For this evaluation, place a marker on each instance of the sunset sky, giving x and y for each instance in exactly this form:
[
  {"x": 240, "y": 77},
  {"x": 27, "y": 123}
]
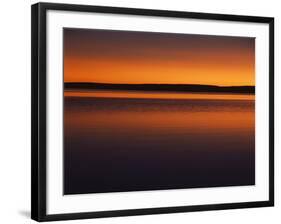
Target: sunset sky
[{"x": 107, "y": 56}]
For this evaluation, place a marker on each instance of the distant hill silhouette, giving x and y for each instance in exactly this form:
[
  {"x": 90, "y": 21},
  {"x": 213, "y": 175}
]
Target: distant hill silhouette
[{"x": 161, "y": 87}]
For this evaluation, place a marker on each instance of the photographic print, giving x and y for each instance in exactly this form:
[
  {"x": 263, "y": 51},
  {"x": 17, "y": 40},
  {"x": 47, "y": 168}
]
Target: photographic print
[
  {"x": 157, "y": 111},
  {"x": 140, "y": 111}
]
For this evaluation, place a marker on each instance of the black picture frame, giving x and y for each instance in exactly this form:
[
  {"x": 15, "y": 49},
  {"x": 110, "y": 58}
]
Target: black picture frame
[{"x": 39, "y": 122}]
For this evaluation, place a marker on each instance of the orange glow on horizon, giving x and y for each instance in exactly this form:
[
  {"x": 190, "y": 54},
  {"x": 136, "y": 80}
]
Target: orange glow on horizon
[
  {"x": 111, "y": 71},
  {"x": 226, "y": 64}
]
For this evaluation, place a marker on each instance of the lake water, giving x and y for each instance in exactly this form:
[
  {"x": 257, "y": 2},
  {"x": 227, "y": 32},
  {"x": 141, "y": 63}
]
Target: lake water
[{"x": 131, "y": 141}]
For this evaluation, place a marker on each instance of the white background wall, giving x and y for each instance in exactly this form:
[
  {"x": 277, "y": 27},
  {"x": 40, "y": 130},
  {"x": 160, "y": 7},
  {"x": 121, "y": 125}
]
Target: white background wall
[{"x": 15, "y": 110}]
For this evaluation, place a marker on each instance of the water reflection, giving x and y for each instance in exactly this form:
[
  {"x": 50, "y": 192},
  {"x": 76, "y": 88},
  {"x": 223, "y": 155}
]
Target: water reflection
[{"x": 164, "y": 142}]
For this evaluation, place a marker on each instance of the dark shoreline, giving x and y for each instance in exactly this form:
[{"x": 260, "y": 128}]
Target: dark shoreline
[{"x": 161, "y": 87}]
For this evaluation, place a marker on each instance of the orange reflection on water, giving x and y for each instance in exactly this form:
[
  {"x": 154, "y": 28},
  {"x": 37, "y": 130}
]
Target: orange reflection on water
[
  {"x": 159, "y": 114},
  {"x": 158, "y": 95},
  {"x": 147, "y": 142},
  {"x": 219, "y": 122}
]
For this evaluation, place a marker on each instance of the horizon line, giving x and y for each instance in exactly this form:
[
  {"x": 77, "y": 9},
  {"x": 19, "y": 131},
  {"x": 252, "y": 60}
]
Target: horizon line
[{"x": 106, "y": 83}]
